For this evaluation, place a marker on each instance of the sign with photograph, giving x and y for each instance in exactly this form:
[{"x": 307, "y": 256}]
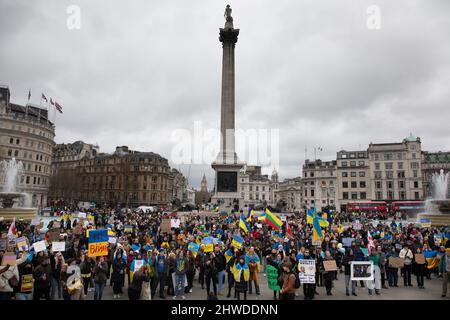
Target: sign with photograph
[
  {"x": 357, "y": 225},
  {"x": 361, "y": 270},
  {"x": 307, "y": 271}
]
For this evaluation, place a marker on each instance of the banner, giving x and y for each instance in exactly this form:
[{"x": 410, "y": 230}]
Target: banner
[
  {"x": 175, "y": 223},
  {"x": 98, "y": 243},
  {"x": 21, "y": 243},
  {"x": 347, "y": 242},
  {"x": 128, "y": 229},
  {"x": 138, "y": 264},
  {"x": 272, "y": 278},
  {"x": 307, "y": 271},
  {"x": 58, "y": 246}
]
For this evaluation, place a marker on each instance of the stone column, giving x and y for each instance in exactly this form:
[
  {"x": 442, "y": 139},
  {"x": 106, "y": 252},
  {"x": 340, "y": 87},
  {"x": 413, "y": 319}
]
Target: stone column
[{"x": 228, "y": 37}]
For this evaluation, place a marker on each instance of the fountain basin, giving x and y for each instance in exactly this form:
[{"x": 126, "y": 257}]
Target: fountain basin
[{"x": 19, "y": 213}]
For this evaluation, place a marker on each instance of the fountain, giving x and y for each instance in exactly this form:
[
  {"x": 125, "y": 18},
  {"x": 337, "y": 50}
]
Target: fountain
[
  {"x": 438, "y": 207},
  {"x": 14, "y": 203}
]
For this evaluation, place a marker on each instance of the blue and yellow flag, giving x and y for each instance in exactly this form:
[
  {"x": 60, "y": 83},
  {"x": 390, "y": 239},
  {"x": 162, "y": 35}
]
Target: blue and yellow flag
[
  {"x": 262, "y": 216},
  {"x": 243, "y": 224},
  {"x": 237, "y": 241},
  {"x": 250, "y": 214},
  {"x": 228, "y": 255},
  {"x": 309, "y": 216},
  {"x": 317, "y": 230},
  {"x": 431, "y": 258},
  {"x": 238, "y": 269}
]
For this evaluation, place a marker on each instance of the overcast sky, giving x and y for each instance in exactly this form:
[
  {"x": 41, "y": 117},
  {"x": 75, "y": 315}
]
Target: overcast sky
[{"x": 138, "y": 70}]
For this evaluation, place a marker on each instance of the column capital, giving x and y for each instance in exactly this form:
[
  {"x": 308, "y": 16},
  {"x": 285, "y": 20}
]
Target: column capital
[{"x": 228, "y": 36}]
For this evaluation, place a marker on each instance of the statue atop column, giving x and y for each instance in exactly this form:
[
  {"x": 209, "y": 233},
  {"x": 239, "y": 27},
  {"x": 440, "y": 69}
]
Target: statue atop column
[{"x": 228, "y": 17}]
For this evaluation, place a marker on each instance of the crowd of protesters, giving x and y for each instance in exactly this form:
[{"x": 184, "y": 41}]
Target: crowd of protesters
[{"x": 170, "y": 266}]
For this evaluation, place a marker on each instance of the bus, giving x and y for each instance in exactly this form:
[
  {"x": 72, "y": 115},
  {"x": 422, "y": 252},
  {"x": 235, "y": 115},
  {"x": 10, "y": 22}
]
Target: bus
[
  {"x": 408, "y": 208},
  {"x": 370, "y": 208}
]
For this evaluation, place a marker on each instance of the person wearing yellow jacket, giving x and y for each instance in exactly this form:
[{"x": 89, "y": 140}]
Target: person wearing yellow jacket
[{"x": 241, "y": 274}]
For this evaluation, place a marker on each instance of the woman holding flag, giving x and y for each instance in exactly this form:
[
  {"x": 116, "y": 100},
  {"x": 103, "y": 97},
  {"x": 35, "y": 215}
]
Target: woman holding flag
[{"x": 241, "y": 275}]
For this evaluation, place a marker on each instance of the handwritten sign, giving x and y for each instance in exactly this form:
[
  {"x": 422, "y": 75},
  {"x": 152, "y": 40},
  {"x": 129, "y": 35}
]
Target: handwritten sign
[
  {"x": 330, "y": 265},
  {"x": 420, "y": 258},
  {"x": 58, "y": 246},
  {"x": 138, "y": 264},
  {"x": 395, "y": 262},
  {"x": 98, "y": 243},
  {"x": 39, "y": 246},
  {"x": 165, "y": 225},
  {"x": 3, "y": 243},
  {"x": 175, "y": 223},
  {"x": 347, "y": 242},
  {"x": 35, "y": 221},
  {"x": 21, "y": 242},
  {"x": 112, "y": 240},
  {"x": 9, "y": 259}
]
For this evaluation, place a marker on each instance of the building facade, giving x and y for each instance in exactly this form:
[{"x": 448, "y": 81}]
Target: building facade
[
  {"x": 177, "y": 187},
  {"x": 203, "y": 196},
  {"x": 27, "y": 135},
  {"x": 126, "y": 177},
  {"x": 434, "y": 162},
  {"x": 396, "y": 170},
  {"x": 353, "y": 177},
  {"x": 64, "y": 184},
  {"x": 288, "y": 194},
  {"x": 256, "y": 189},
  {"x": 320, "y": 187}
]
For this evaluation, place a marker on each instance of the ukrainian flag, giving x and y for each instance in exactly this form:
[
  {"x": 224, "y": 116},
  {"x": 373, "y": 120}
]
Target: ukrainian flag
[
  {"x": 317, "y": 230},
  {"x": 237, "y": 241},
  {"x": 262, "y": 216},
  {"x": 237, "y": 269},
  {"x": 228, "y": 255},
  {"x": 309, "y": 216},
  {"x": 431, "y": 258},
  {"x": 243, "y": 224},
  {"x": 250, "y": 214}
]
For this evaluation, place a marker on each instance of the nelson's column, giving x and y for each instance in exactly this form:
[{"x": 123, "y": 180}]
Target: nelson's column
[{"x": 227, "y": 164}]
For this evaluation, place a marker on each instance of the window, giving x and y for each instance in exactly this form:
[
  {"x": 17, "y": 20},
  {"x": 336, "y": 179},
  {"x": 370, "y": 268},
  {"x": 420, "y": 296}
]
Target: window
[
  {"x": 344, "y": 156},
  {"x": 416, "y": 195},
  {"x": 401, "y": 184},
  {"x": 377, "y": 174},
  {"x": 354, "y": 196},
  {"x": 388, "y": 156},
  {"x": 361, "y": 163},
  {"x": 377, "y": 184},
  {"x": 414, "y": 165},
  {"x": 352, "y": 155},
  {"x": 344, "y": 174},
  {"x": 353, "y": 184},
  {"x": 416, "y": 184},
  {"x": 344, "y": 163},
  {"x": 352, "y": 163},
  {"x": 257, "y": 189},
  {"x": 9, "y": 153},
  {"x": 389, "y": 174},
  {"x": 399, "y": 156},
  {"x": 312, "y": 193},
  {"x": 11, "y": 140},
  {"x": 402, "y": 195},
  {"x": 362, "y": 184},
  {"x": 377, "y": 166},
  {"x": 388, "y": 165},
  {"x": 378, "y": 195},
  {"x": 390, "y": 184},
  {"x": 414, "y": 155},
  {"x": 390, "y": 195},
  {"x": 306, "y": 192},
  {"x": 263, "y": 189},
  {"x": 28, "y": 180},
  {"x": 360, "y": 155},
  {"x": 16, "y": 153},
  {"x": 34, "y": 180},
  {"x": 362, "y": 195},
  {"x": 362, "y": 174},
  {"x": 345, "y": 195},
  {"x": 344, "y": 184},
  {"x": 353, "y": 174},
  {"x": 401, "y": 174},
  {"x": 415, "y": 173},
  {"x": 311, "y": 174},
  {"x": 376, "y": 156},
  {"x": 400, "y": 165}
]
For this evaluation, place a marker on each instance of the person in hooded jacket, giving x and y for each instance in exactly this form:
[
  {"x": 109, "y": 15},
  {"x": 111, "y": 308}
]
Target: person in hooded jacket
[{"x": 118, "y": 274}]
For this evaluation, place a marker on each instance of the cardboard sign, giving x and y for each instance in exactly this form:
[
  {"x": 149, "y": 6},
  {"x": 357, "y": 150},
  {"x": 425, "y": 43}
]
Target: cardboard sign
[
  {"x": 54, "y": 234},
  {"x": 58, "y": 246},
  {"x": 9, "y": 258},
  {"x": 272, "y": 278},
  {"x": 27, "y": 283},
  {"x": 209, "y": 247},
  {"x": 35, "y": 221},
  {"x": 307, "y": 271},
  {"x": 165, "y": 225},
  {"x": 112, "y": 240},
  {"x": 395, "y": 262},
  {"x": 330, "y": 265},
  {"x": 39, "y": 246},
  {"x": 420, "y": 258},
  {"x": 317, "y": 243}
]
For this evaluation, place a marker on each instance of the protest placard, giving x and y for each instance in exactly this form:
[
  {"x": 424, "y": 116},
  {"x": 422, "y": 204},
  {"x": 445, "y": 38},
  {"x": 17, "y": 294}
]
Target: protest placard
[
  {"x": 21, "y": 242},
  {"x": 347, "y": 242},
  {"x": 82, "y": 215},
  {"x": 175, "y": 223},
  {"x": 165, "y": 225},
  {"x": 272, "y": 278},
  {"x": 307, "y": 271},
  {"x": 128, "y": 229},
  {"x": 361, "y": 270},
  {"x": 357, "y": 225},
  {"x": 39, "y": 246},
  {"x": 9, "y": 258},
  {"x": 36, "y": 221},
  {"x": 27, "y": 283},
  {"x": 58, "y": 246},
  {"x": 395, "y": 262},
  {"x": 98, "y": 243},
  {"x": 138, "y": 264},
  {"x": 425, "y": 222},
  {"x": 112, "y": 240},
  {"x": 3, "y": 244},
  {"x": 420, "y": 258},
  {"x": 330, "y": 265}
]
